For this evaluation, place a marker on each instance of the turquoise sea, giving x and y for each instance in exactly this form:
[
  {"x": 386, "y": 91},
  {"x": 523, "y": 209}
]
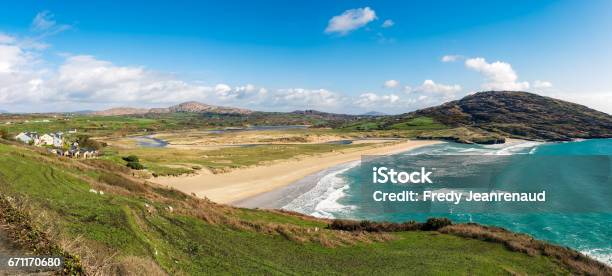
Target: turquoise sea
[{"x": 576, "y": 175}]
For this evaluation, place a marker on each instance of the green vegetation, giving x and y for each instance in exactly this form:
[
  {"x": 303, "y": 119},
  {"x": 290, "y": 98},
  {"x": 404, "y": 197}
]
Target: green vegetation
[
  {"x": 4, "y": 134},
  {"x": 423, "y": 127},
  {"x": 97, "y": 126},
  {"x": 432, "y": 224},
  {"x": 137, "y": 227},
  {"x": 135, "y": 166},
  {"x": 131, "y": 158},
  {"x": 419, "y": 123},
  {"x": 133, "y": 162},
  {"x": 414, "y": 124},
  {"x": 93, "y": 126},
  {"x": 86, "y": 142},
  {"x": 167, "y": 161}
]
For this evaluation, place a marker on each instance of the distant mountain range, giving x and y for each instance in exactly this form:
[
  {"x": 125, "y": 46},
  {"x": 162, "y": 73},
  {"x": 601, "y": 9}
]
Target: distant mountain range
[
  {"x": 373, "y": 113},
  {"x": 194, "y": 107},
  {"x": 483, "y": 117}
]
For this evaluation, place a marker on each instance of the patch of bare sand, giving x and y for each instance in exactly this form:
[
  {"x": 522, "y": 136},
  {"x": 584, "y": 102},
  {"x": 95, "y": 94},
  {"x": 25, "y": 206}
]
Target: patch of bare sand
[{"x": 244, "y": 183}]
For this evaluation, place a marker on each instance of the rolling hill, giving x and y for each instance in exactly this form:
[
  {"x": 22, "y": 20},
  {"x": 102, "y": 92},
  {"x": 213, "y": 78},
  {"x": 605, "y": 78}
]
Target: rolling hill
[
  {"x": 374, "y": 113},
  {"x": 186, "y": 107},
  {"x": 524, "y": 115},
  {"x": 492, "y": 116},
  {"x": 116, "y": 111}
]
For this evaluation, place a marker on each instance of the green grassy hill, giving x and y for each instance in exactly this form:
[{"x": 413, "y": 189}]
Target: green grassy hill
[
  {"x": 488, "y": 117},
  {"x": 105, "y": 222}
]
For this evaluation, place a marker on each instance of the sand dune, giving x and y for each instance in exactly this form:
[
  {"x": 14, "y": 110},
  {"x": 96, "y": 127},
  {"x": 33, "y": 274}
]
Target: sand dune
[{"x": 244, "y": 183}]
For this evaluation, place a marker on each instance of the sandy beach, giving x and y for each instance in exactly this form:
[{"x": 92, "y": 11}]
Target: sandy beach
[{"x": 244, "y": 183}]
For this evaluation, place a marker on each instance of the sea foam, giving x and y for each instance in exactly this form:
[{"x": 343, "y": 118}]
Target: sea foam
[{"x": 322, "y": 199}]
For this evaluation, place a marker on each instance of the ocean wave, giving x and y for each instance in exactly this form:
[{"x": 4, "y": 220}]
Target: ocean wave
[
  {"x": 322, "y": 199},
  {"x": 519, "y": 147},
  {"x": 603, "y": 255},
  {"x": 527, "y": 147}
]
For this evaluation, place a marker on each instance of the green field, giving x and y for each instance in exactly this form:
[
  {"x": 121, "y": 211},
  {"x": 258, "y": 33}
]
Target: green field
[
  {"x": 413, "y": 126},
  {"x": 167, "y": 161},
  {"x": 89, "y": 125},
  {"x": 96, "y": 126},
  {"x": 132, "y": 225}
]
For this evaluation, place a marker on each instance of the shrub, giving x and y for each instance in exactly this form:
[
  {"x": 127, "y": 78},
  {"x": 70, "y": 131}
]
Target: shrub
[
  {"x": 135, "y": 165},
  {"x": 86, "y": 142},
  {"x": 131, "y": 158},
  {"x": 371, "y": 226},
  {"x": 5, "y": 135},
  {"x": 433, "y": 224}
]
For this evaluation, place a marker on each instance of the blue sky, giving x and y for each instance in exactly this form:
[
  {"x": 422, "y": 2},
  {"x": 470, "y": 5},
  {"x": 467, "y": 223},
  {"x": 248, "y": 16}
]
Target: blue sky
[{"x": 338, "y": 56}]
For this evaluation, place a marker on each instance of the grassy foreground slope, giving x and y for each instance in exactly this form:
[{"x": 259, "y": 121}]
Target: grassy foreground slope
[{"x": 137, "y": 228}]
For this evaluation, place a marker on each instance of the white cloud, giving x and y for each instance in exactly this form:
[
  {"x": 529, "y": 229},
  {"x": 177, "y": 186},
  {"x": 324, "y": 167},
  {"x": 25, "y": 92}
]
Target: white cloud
[
  {"x": 223, "y": 90},
  {"x": 11, "y": 57},
  {"x": 599, "y": 100},
  {"x": 6, "y": 39},
  {"x": 451, "y": 58},
  {"x": 391, "y": 84},
  {"x": 19, "y": 80},
  {"x": 388, "y": 23},
  {"x": 245, "y": 92},
  {"x": 542, "y": 84},
  {"x": 43, "y": 21},
  {"x": 305, "y": 98},
  {"x": 499, "y": 75},
  {"x": 371, "y": 100},
  {"x": 429, "y": 86},
  {"x": 45, "y": 24},
  {"x": 350, "y": 20},
  {"x": 428, "y": 94},
  {"x": 87, "y": 79}
]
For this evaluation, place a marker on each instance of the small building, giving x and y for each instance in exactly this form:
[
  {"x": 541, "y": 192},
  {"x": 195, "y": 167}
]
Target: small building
[
  {"x": 58, "y": 139},
  {"x": 28, "y": 138},
  {"x": 46, "y": 140},
  {"x": 88, "y": 153}
]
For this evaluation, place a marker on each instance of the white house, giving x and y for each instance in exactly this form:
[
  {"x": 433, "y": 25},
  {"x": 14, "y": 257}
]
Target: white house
[
  {"x": 46, "y": 140},
  {"x": 58, "y": 139},
  {"x": 28, "y": 137}
]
